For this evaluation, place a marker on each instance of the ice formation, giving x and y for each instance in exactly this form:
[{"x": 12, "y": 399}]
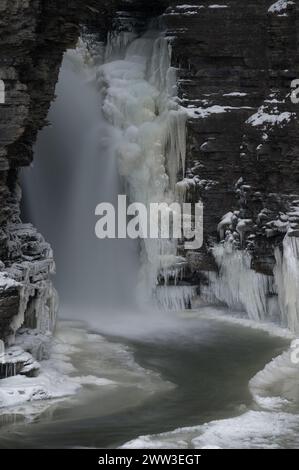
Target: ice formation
[
  {"x": 39, "y": 300},
  {"x": 237, "y": 285},
  {"x": 78, "y": 360},
  {"x": 175, "y": 297},
  {"x": 140, "y": 101},
  {"x": 276, "y": 386},
  {"x": 263, "y": 298},
  {"x": 251, "y": 430},
  {"x": 286, "y": 275},
  {"x": 58, "y": 377}
]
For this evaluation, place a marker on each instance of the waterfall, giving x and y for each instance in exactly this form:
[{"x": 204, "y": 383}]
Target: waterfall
[
  {"x": 74, "y": 169},
  {"x": 116, "y": 127},
  {"x": 140, "y": 102}
]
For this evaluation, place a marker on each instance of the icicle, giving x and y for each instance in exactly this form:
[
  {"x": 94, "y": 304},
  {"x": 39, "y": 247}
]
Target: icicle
[
  {"x": 117, "y": 44},
  {"x": 175, "y": 298},
  {"x": 286, "y": 275},
  {"x": 238, "y": 286},
  {"x": 46, "y": 304},
  {"x": 139, "y": 92},
  {"x": 175, "y": 144}
]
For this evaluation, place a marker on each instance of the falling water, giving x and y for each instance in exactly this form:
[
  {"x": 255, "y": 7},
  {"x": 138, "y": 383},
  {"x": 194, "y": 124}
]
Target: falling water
[
  {"x": 74, "y": 169},
  {"x": 115, "y": 126}
]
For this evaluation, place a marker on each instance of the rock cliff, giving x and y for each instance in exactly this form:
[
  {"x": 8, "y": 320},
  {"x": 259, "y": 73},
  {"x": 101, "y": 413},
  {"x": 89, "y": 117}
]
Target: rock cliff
[{"x": 33, "y": 37}]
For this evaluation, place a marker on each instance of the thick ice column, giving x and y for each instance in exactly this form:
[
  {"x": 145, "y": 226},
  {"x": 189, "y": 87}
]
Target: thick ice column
[
  {"x": 237, "y": 285},
  {"x": 287, "y": 281},
  {"x": 140, "y": 101}
]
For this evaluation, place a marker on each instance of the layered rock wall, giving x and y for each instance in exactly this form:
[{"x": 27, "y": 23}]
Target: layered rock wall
[
  {"x": 33, "y": 37},
  {"x": 236, "y": 61}
]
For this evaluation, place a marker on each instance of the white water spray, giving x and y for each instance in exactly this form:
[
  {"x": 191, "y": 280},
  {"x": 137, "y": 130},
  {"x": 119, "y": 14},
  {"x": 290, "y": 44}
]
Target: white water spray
[{"x": 74, "y": 169}]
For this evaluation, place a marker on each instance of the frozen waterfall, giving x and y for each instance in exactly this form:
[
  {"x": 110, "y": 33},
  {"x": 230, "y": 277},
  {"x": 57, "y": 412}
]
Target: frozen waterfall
[
  {"x": 263, "y": 298},
  {"x": 139, "y": 88},
  {"x": 116, "y": 128}
]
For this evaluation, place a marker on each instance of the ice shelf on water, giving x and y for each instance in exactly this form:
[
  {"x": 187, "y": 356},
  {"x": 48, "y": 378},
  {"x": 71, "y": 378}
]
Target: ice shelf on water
[
  {"x": 251, "y": 430},
  {"x": 276, "y": 386},
  {"x": 78, "y": 360},
  {"x": 271, "y": 422}
]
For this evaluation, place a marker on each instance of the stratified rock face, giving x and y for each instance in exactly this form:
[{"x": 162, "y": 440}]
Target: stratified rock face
[
  {"x": 33, "y": 37},
  {"x": 236, "y": 61}
]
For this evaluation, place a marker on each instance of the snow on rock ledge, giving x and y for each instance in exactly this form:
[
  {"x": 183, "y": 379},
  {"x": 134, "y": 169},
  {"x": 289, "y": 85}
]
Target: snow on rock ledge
[
  {"x": 264, "y": 118},
  {"x": 281, "y": 6},
  {"x": 17, "y": 361}
]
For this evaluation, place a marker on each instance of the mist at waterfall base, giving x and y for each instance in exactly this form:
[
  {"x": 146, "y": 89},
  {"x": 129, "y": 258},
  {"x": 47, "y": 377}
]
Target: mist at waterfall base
[{"x": 74, "y": 169}]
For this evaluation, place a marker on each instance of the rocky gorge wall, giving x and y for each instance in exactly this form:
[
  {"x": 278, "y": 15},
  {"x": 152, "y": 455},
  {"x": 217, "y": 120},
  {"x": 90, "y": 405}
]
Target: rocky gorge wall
[
  {"x": 235, "y": 62},
  {"x": 34, "y": 35}
]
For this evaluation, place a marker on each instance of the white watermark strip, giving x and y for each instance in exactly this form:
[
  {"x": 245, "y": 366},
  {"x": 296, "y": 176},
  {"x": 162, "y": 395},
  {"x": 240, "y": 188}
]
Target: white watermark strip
[
  {"x": 2, "y": 92},
  {"x": 156, "y": 221},
  {"x": 295, "y": 91}
]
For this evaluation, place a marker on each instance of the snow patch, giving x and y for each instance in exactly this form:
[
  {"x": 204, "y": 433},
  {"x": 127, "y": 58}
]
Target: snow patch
[
  {"x": 280, "y": 6},
  {"x": 6, "y": 282},
  {"x": 264, "y": 118},
  {"x": 215, "y": 109}
]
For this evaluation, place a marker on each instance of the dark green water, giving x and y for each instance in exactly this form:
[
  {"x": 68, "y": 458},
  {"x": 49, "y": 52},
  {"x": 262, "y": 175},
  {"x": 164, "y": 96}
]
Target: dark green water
[{"x": 209, "y": 364}]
